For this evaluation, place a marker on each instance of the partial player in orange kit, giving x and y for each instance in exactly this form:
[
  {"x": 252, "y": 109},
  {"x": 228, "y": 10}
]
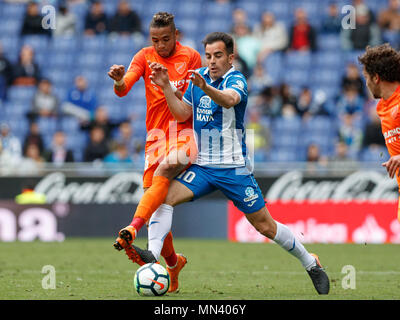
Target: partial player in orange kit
[
  {"x": 382, "y": 74},
  {"x": 170, "y": 145}
]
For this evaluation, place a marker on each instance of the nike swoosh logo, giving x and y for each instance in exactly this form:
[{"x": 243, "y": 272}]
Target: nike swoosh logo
[{"x": 159, "y": 283}]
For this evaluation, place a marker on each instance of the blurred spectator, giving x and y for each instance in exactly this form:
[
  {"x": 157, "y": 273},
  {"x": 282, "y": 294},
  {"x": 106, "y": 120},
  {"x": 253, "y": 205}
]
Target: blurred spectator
[
  {"x": 352, "y": 78},
  {"x": 6, "y": 73},
  {"x": 261, "y": 142},
  {"x": 101, "y": 119},
  {"x": 332, "y": 23},
  {"x": 366, "y": 33},
  {"x": 361, "y": 6},
  {"x": 259, "y": 80},
  {"x": 350, "y": 102},
  {"x": 33, "y": 137},
  {"x": 126, "y": 137},
  {"x": 240, "y": 64},
  {"x": 10, "y": 144},
  {"x": 45, "y": 103},
  {"x": 119, "y": 155},
  {"x": 96, "y": 19},
  {"x": 26, "y": 71},
  {"x": 32, "y": 163},
  {"x": 286, "y": 95},
  {"x": 65, "y": 22},
  {"x": 315, "y": 161},
  {"x": 267, "y": 102},
  {"x": 309, "y": 104},
  {"x": 341, "y": 159},
  {"x": 302, "y": 35},
  {"x": 125, "y": 21},
  {"x": 271, "y": 34},
  {"x": 389, "y": 22},
  {"x": 58, "y": 153},
  {"x": 97, "y": 147},
  {"x": 350, "y": 134},
  {"x": 239, "y": 16},
  {"x": 373, "y": 136},
  {"x": 32, "y": 23},
  {"x": 248, "y": 46},
  {"x": 81, "y": 100}
]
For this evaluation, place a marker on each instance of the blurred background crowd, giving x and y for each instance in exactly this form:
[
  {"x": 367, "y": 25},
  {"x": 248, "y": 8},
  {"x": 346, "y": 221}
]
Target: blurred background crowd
[{"x": 307, "y": 98}]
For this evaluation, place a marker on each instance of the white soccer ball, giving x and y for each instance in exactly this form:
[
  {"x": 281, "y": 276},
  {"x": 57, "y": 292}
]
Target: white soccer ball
[{"x": 151, "y": 279}]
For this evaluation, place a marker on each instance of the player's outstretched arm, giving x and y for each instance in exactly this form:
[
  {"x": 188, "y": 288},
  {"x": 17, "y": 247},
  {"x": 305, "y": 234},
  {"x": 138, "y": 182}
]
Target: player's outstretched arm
[
  {"x": 179, "y": 109},
  {"x": 227, "y": 98}
]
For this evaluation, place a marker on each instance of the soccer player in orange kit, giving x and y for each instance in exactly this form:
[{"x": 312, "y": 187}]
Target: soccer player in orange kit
[
  {"x": 382, "y": 74},
  {"x": 166, "y": 153}
]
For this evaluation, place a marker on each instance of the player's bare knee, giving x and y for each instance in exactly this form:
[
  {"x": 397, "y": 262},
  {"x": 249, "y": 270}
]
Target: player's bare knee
[
  {"x": 168, "y": 170},
  {"x": 265, "y": 228}
]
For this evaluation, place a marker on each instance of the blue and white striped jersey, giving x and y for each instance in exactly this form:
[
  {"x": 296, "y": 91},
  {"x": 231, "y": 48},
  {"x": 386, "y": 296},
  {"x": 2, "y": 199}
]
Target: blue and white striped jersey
[{"x": 220, "y": 131}]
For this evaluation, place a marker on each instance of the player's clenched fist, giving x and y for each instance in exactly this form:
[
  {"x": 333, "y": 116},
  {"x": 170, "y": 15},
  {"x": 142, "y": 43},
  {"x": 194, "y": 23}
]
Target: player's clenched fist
[{"x": 116, "y": 72}]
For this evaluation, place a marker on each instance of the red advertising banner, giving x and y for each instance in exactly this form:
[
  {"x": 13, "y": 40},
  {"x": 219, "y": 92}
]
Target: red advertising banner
[{"x": 325, "y": 222}]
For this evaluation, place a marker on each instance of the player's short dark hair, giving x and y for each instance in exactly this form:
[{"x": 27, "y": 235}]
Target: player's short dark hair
[
  {"x": 163, "y": 19},
  {"x": 220, "y": 36},
  {"x": 382, "y": 60}
]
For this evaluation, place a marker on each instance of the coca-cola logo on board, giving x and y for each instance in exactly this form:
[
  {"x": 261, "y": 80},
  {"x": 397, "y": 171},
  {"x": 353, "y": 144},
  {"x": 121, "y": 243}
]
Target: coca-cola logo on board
[
  {"x": 117, "y": 189},
  {"x": 359, "y": 186}
]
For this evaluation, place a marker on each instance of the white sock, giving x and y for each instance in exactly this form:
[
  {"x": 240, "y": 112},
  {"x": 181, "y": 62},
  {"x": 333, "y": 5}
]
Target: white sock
[
  {"x": 286, "y": 239},
  {"x": 159, "y": 227}
]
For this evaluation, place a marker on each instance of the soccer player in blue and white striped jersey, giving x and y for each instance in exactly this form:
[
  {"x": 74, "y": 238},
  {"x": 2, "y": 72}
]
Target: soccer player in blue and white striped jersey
[{"x": 217, "y": 99}]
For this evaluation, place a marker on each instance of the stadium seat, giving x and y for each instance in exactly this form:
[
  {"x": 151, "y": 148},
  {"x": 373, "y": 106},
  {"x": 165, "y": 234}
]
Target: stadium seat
[
  {"x": 288, "y": 125},
  {"x": 47, "y": 125},
  {"x": 21, "y": 94},
  {"x": 15, "y": 11},
  {"x": 298, "y": 60},
  {"x": 329, "y": 59},
  {"x": 218, "y": 10},
  {"x": 93, "y": 44},
  {"x": 282, "y": 155},
  {"x": 38, "y": 42},
  {"x": 65, "y": 44},
  {"x": 297, "y": 78},
  {"x": 90, "y": 61},
  {"x": 61, "y": 60},
  {"x": 280, "y": 8},
  {"x": 10, "y": 27},
  {"x": 70, "y": 124},
  {"x": 329, "y": 42}
]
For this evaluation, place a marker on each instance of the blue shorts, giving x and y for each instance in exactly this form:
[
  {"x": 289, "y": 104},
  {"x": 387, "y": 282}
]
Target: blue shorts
[{"x": 237, "y": 184}]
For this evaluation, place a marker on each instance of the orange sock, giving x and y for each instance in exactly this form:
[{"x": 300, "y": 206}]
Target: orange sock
[
  {"x": 168, "y": 251},
  {"x": 152, "y": 199}
]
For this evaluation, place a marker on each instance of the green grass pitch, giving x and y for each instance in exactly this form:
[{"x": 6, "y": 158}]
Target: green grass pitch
[{"x": 92, "y": 269}]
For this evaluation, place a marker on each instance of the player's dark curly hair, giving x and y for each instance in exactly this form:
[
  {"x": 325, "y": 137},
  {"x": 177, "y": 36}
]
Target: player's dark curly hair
[
  {"x": 382, "y": 60},
  {"x": 163, "y": 19},
  {"x": 220, "y": 36}
]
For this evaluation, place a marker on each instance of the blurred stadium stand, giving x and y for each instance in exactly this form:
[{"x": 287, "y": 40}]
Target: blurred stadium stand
[{"x": 62, "y": 58}]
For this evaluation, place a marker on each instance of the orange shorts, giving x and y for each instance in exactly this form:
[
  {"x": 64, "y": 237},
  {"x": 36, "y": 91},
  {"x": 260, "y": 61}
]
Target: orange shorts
[{"x": 156, "y": 151}]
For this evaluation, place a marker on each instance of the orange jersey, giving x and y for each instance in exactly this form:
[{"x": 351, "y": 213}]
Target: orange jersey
[
  {"x": 158, "y": 114},
  {"x": 389, "y": 113}
]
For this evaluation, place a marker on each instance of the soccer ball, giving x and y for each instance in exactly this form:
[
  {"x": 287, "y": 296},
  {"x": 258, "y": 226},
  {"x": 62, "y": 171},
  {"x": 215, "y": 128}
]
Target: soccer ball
[{"x": 151, "y": 279}]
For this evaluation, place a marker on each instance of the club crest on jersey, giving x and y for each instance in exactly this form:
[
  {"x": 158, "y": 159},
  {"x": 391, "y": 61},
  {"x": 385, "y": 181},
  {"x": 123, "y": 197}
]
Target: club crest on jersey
[
  {"x": 239, "y": 85},
  {"x": 395, "y": 112},
  {"x": 205, "y": 102},
  {"x": 180, "y": 67},
  {"x": 251, "y": 195}
]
